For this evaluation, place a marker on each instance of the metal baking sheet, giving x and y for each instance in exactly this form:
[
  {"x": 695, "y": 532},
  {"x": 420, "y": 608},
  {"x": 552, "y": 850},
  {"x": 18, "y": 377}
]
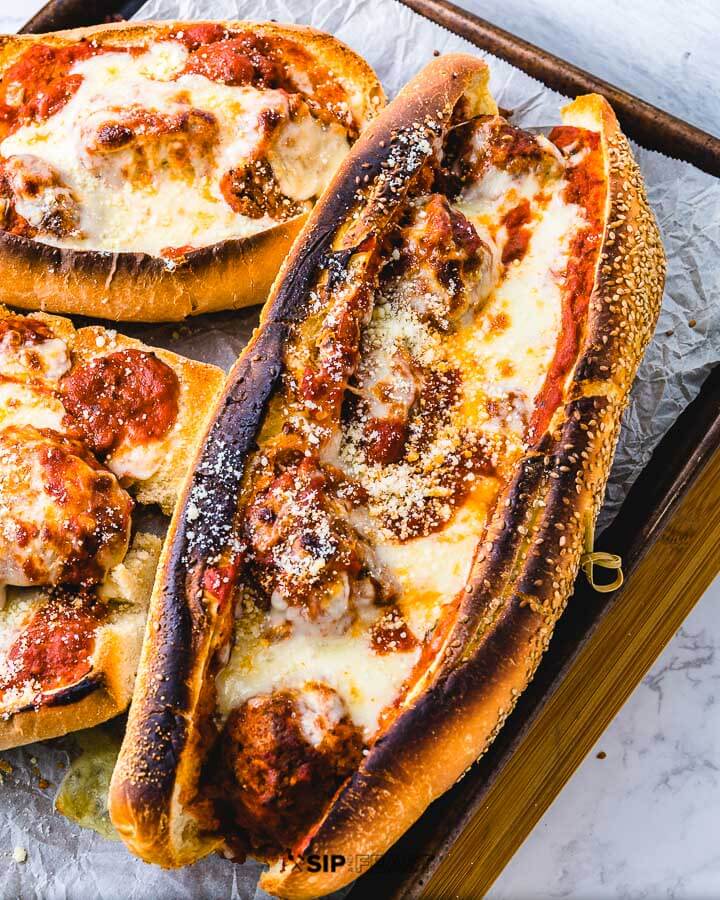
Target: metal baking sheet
[{"x": 677, "y": 461}]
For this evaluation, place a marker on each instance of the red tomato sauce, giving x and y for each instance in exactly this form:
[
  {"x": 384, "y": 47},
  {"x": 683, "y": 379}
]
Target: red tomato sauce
[
  {"x": 323, "y": 383},
  {"x": 41, "y": 81},
  {"x": 25, "y": 330},
  {"x": 587, "y": 188},
  {"x": 194, "y": 36},
  {"x": 177, "y": 252},
  {"x": 241, "y": 58},
  {"x": 516, "y": 221},
  {"x": 220, "y": 580},
  {"x": 126, "y": 397},
  {"x": 386, "y": 440},
  {"x": 390, "y": 634},
  {"x": 55, "y": 647},
  {"x": 235, "y": 60}
]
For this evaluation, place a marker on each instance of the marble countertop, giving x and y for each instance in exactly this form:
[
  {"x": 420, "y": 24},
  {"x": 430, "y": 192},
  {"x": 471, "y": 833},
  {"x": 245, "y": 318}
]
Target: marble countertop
[{"x": 639, "y": 818}]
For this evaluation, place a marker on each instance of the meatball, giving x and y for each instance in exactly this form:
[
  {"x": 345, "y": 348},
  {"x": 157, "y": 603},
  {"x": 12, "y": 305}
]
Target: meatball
[
  {"x": 389, "y": 385},
  {"x": 39, "y": 196},
  {"x": 285, "y": 755},
  {"x": 132, "y": 146},
  {"x": 448, "y": 268},
  {"x": 310, "y": 561},
  {"x": 120, "y": 404},
  {"x": 492, "y": 145},
  {"x": 63, "y": 518}
]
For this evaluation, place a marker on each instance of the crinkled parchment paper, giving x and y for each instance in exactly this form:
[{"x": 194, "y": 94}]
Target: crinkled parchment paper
[{"x": 66, "y": 862}]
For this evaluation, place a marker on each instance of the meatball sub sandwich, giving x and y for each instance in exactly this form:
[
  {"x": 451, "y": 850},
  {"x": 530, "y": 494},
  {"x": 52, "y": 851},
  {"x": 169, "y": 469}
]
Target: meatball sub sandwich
[
  {"x": 93, "y": 427},
  {"x": 158, "y": 170}
]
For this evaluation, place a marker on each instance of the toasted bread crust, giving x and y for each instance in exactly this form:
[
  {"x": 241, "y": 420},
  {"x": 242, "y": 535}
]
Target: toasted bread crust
[
  {"x": 140, "y": 287},
  {"x": 523, "y": 573},
  {"x": 87, "y": 704}
]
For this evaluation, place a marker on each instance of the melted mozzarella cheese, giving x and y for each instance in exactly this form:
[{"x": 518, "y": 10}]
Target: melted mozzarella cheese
[
  {"x": 55, "y": 358},
  {"x": 495, "y": 362},
  {"x": 23, "y": 404},
  {"x": 15, "y": 611},
  {"x": 447, "y": 557},
  {"x": 139, "y": 461},
  {"x": 175, "y": 207},
  {"x": 503, "y": 351},
  {"x": 366, "y": 681},
  {"x": 49, "y": 358},
  {"x": 44, "y": 531},
  {"x": 163, "y": 61},
  {"x": 515, "y": 356},
  {"x": 302, "y": 155},
  {"x": 320, "y": 711}
]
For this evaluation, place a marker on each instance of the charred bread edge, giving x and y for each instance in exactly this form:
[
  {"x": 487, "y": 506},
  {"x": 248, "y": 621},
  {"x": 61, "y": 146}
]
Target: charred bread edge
[
  {"x": 140, "y": 287},
  {"x": 475, "y": 682},
  {"x": 81, "y": 705}
]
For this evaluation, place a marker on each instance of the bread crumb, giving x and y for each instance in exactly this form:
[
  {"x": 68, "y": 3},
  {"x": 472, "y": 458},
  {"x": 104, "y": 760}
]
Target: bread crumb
[{"x": 20, "y": 854}]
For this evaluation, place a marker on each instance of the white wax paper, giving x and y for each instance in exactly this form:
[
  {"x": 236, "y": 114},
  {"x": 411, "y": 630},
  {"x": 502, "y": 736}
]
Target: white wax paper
[{"x": 65, "y": 862}]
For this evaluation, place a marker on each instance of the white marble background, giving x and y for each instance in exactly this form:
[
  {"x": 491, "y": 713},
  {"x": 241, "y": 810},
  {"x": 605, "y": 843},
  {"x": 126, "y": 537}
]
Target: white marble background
[{"x": 644, "y": 821}]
